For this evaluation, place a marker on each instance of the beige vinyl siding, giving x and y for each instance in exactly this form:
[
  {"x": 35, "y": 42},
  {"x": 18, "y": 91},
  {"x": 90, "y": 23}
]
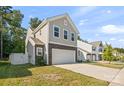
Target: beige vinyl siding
[
  {"x": 42, "y": 35},
  {"x": 60, "y": 39},
  {"x": 31, "y": 53}
]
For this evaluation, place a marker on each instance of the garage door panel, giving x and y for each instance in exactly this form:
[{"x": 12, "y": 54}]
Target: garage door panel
[{"x": 61, "y": 56}]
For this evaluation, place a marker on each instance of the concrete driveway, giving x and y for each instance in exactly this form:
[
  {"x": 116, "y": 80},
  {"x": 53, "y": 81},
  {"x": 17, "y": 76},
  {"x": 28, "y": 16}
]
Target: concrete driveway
[{"x": 98, "y": 72}]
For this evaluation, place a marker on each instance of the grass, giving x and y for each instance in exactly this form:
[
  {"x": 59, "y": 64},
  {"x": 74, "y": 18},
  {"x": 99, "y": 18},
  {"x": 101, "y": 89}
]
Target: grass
[
  {"x": 111, "y": 65},
  {"x": 45, "y": 75}
]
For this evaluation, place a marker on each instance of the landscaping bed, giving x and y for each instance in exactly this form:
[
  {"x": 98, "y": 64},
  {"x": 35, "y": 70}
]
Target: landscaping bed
[{"x": 43, "y": 75}]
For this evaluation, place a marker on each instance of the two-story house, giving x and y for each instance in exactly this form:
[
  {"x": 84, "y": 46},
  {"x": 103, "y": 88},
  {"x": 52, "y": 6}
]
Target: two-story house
[
  {"x": 55, "y": 39},
  {"x": 89, "y": 51},
  {"x": 98, "y": 48}
]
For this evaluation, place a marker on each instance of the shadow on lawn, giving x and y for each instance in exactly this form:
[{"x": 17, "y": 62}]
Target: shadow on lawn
[{"x": 14, "y": 71}]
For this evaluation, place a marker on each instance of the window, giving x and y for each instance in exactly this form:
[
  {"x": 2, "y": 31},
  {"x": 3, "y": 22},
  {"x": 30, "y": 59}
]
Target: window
[
  {"x": 72, "y": 36},
  {"x": 100, "y": 49},
  {"x": 94, "y": 49},
  {"x": 79, "y": 53},
  {"x": 56, "y": 31},
  {"x": 39, "y": 51},
  {"x": 65, "y": 34}
]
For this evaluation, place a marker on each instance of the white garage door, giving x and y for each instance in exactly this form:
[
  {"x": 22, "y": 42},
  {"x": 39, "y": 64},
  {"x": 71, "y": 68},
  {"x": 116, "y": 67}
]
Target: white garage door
[{"x": 60, "y": 56}]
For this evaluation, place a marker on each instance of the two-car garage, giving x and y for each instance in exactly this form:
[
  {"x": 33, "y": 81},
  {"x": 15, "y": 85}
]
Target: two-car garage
[{"x": 62, "y": 56}]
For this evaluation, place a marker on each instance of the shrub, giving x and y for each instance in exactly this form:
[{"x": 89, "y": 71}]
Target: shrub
[
  {"x": 40, "y": 61},
  {"x": 122, "y": 58}
]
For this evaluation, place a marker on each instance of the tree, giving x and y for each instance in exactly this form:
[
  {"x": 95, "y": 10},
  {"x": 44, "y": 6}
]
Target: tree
[
  {"x": 4, "y": 22},
  {"x": 11, "y": 30},
  {"x": 34, "y": 22},
  {"x": 107, "y": 54}
]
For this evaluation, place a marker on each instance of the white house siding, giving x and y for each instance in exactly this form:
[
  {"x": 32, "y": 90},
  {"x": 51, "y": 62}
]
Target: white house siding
[
  {"x": 82, "y": 55},
  {"x": 85, "y": 46},
  {"x": 42, "y": 35},
  {"x": 29, "y": 34}
]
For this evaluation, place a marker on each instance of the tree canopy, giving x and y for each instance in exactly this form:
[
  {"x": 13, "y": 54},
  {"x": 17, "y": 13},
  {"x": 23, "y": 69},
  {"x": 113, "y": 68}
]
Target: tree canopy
[
  {"x": 12, "y": 34},
  {"x": 34, "y": 22},
  {"x": 107, "y": 54}
]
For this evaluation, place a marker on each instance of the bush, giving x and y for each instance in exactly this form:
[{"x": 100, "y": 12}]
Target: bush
[
  {"x": 122, "y": 59},
  {"x": 40, "y": 61}
]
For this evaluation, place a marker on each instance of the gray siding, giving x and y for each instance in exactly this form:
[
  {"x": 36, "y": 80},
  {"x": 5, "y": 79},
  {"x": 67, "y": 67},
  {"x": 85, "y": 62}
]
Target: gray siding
[{"x": 60, "y": 23}]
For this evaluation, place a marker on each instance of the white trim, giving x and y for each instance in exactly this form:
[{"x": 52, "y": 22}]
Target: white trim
[
  {"x": 53, "y": 31},
  {"x": 62, "y": 44},
  {"x": 67, "y": 34}
]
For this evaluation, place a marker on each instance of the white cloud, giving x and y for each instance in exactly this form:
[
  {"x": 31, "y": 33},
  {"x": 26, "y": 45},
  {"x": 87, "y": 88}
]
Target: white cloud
[
  {"x": 121, "y": 40},
  {"x": 108, "y": 11},
  {"x": 112, "y": 29},
  {"x": 112, "y": 39},
  {"x": 30, "y": 16},
  {"x": 96, "y": 34},
  {"x": 82, "y": 22},
  {"x": 83, "y": 10}
]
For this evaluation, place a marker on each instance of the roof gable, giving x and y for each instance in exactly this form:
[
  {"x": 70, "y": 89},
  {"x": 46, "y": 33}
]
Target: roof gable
[
  {"x": 68, "y": 18},
  {"x": 97, "y": 43},
  {"x": 55, "y": 18}
]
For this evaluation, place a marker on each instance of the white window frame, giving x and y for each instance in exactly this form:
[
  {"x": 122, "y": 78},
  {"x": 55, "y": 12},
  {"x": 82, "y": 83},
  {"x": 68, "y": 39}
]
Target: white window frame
[
  {"x": 41, "y": 50},
  {"x": 64, "y": 34},
  {"x": 53, "y": 31},
  {"x": 71, "y": 36}
]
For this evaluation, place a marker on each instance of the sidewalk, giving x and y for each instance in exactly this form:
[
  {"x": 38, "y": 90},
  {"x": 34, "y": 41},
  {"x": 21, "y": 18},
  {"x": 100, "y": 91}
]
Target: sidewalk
[{"x": 119, "y": 79}]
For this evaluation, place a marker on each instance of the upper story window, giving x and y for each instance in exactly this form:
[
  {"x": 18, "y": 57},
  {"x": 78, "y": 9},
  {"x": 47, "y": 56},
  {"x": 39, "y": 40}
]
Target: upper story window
[
  {"x": 72, "y": 36},
  {"x": 94, "y": 49},
  {"x": 56, "y": 30},
  {"x": 65, "y": 22},
  {"x": 65, "y": 34}
]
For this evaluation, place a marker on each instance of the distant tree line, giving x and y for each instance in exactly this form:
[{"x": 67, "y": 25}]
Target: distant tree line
[{"x": 120, "y": 50}]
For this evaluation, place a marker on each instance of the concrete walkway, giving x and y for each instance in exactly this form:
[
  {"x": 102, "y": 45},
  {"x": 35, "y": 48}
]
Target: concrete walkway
[{"x": 114, "y": 76}]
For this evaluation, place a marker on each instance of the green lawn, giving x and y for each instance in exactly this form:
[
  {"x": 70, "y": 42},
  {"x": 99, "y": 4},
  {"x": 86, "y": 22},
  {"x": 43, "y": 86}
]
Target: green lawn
[
  {"x": 44, "y": 75},
  {"x": 111, "y": 65}
]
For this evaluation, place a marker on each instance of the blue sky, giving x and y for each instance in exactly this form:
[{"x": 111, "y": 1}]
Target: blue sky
[{"x": 94, "y": 23}]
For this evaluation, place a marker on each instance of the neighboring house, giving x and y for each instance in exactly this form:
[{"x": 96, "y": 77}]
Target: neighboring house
[
  {"x": 117, "y": 54},
  {"x": 55, "y": 39},
  {"x": 89, "y": 51}
]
